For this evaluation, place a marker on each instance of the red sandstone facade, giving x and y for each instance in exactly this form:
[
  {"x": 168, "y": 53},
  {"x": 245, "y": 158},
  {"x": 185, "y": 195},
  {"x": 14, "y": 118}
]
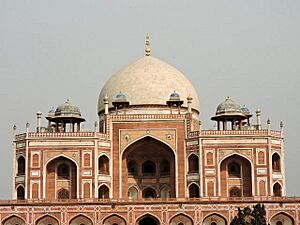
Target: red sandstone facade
[{"x": 148, "y": 164}]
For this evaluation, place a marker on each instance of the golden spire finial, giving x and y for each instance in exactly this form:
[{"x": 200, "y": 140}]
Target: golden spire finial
[{"x": 148, "y": 49}]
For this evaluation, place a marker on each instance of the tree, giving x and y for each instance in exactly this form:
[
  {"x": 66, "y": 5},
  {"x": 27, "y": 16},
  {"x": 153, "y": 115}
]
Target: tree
[{"x": 247, "y": 216}]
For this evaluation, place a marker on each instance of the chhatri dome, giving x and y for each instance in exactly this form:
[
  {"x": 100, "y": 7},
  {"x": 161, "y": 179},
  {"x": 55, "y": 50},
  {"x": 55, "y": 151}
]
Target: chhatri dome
[{"x": 148, "y": 81}]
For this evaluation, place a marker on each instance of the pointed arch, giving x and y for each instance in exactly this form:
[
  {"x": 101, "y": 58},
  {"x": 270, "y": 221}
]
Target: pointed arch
[
  {"x": 149, "y": 168},
  {"x": 149, "y": 154},
  {"x": 164, "y": 167},
  {"x": 165, "y": 192},
  {"x": 114, "y": 219},
  {"x": 148, "y": 219},
  {"x": 103, "y": 191},
  {"x": 146, "y": 136},
  {"x": 133, "y": 192},
  {"x": 149, "y": 192},
  {"x": 276, "y": 164},
  {"x": 47, "y": 220},
  {"x": 132, "y": 168},
  {"x": 21, "y": 164},
  {"x": 52, "y": 160},
  {"x": 277, "y": 189},
  {"x": 103, "y": 164},
  {"x": 194, "y": 190},
  {"x": 246, "y": 174},
  {"x": 20, "y": 192},
  {"x": 282, "y": 218},
  {"x": 181, "y": 219},
  {"x": 13, "y": 220},
  {"x": 193, "y": 162},
  {"x": 214, "y": 219},
  {"x": 81, "y": 220}
]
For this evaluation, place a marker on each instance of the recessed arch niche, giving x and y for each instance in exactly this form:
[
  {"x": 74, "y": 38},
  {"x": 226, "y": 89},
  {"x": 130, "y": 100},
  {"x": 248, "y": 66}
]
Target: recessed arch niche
[{"x": 146, "y": 160}]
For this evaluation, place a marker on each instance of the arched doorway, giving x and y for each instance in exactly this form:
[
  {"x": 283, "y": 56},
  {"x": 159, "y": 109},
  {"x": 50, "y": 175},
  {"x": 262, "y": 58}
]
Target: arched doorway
[
  {"x": 48, "y": 220},
  {"x": 103, "y": 164},
  {"x": 103, "y": 191},
  {"x": 214, "y": 219},
  {"x": 20, "y": 192},
  {"x": 149, "y": 193},
  {"x": 193, "y": 164},
  {"x": 114, "y": 220},
  {"x": 181, "y": 219},
  {"x": 148, "y": 220},
  {"x": 277, "y": 190},
  {"x": 61, "y": 179},
  {"x": 276, "y": 162},
  {"x": 13, "y": 220},
  {"x": 21, "y": 166},
  {"x": 81, "y": 220},
  {"x": 145, "y": 161},
  {"x": 194, "y": 191},
  {"x": 236, "y": 179},
  {"x": 282, "y": 219}
]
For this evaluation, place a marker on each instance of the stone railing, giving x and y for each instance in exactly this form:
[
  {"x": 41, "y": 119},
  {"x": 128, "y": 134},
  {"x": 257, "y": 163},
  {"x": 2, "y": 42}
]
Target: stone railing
[
  {"x": 147, "y": 116},
  {"x": 60, "y": 135},
  {"x": 240, "y": 132}
]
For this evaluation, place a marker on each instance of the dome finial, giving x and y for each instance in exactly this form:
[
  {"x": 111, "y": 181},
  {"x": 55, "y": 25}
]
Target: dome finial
[{"x": 147, "y": 49}]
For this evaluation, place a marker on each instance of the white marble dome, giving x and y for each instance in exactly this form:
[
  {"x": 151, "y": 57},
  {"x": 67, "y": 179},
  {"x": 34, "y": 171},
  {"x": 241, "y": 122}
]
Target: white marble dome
[{"x": 148, "y": 81}]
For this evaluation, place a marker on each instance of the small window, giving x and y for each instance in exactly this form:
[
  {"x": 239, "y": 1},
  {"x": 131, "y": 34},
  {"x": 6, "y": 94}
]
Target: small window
[
  {"x": 276, "y": 162},
  {"x": 193, "y": 164},
  {"x": 235, "y": 192},
  {"x": 132, "y": 168},
  {"x": 234, "y": 170},
  {"x": 165, "y": 167},
  {"x": 149, "y": 168},
  {"x": 63, "y": 171}
]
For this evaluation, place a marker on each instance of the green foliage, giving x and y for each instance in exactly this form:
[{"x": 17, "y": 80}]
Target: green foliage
[{"x": 248, "y": 216}]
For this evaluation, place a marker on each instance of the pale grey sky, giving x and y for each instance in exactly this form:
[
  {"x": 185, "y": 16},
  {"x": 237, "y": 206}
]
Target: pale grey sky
[{"x": 54, "y": 50}]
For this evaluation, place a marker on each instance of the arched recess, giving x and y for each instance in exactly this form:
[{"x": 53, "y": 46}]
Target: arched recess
[
  {"x": 132, "y": 168},
  {"x": 47, "y": 220},
  {"x": 149, "y": 168},
  {"x": 152, "y": 156},
  {"x": 193, "y": 162},
  {"x": 81, "y": 220},
  {"x": 277, "y": 189},
  {"x": 235, "y": 192},
  {"x": 149, "y": 193},
  {"x": 147, "y": 219},
  {"x": 194, "y": 191},
  {"x": 261, "y": 157},
  {"x": 165, "y": 192},
  {"x": 114, "y": 220},
  {"x": 13, "y": 220},
  {"x": 282, "y": 219},
  {"x": 21, "y": 165},
  {"x": 103, "y": 191},
  {"x": 276, "y": 165},
  {"x": 214, "y": 219},
  {"x": 181, "y": 219},
  {"x": 61, "y": 178},
  {"x": 235, "y": 172},
  {"x": 20, "y": 192},
  {"x": 164, "y": 167},
  {"x": 132, "y": 193},
  {"x": 103, "y": 165}
]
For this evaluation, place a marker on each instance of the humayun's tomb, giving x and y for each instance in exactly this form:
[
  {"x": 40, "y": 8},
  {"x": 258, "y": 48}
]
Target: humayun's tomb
[{"x": 148, "y": 161}]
